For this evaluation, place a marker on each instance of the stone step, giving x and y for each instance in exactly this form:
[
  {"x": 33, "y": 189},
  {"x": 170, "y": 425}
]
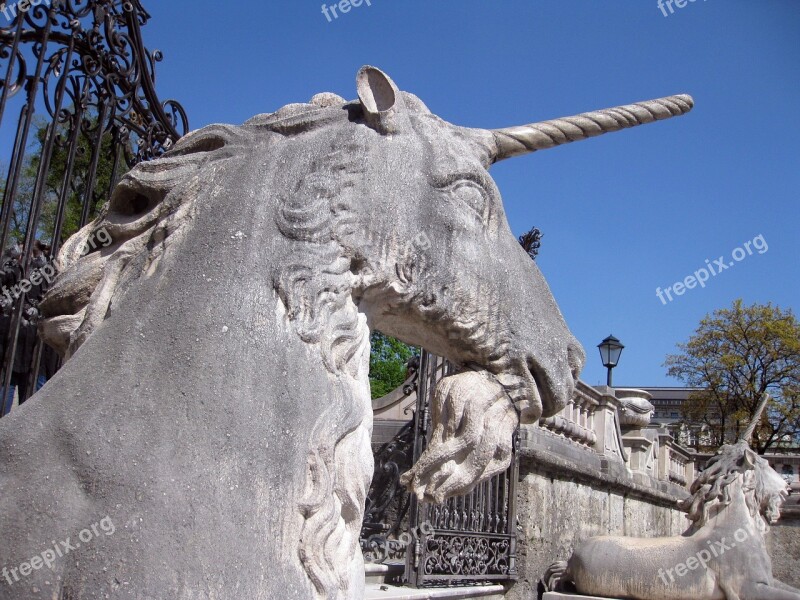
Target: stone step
[
  {"x": 559, "y": 596},
  {"x": 384, "y": 572},
  {"x": 382, "y": 591}
]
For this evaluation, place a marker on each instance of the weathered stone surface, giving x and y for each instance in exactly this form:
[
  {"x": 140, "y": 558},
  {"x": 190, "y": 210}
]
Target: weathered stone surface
[
  {"x": 470, "y": 440},
  {"x": 636, "y": 408},
  {"x": 559, "y": 507},
  {"x": 783, "y": 545},
  {"x": 215, "y": 405},
  {"x": 722, "y": 555},
  {"x": 560, "y": 596}
]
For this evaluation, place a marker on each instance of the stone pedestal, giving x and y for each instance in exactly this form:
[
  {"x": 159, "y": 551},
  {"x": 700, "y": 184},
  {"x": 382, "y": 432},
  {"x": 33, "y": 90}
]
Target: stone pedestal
[
  {"x": 559, "y": 596},
  {"x": 606, "y": 425},
  {"x": 642, "y": 450}
]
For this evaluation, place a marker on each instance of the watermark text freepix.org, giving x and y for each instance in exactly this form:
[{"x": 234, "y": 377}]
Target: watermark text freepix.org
[
  {"x": 46, "y": 273},
  {"x": 10, "y": 10},
  {"x": 48, "y": 557},
  {"x": 668, "y": 4},
  {"x": 98, "y": 239},
  {"x": 342, "y": 7},
  {"x": 712, "y": 269},
  {"x": 380, "y": 548},
  {"x": 703, "y": 557},
  {"x": 22, "y": 6}
]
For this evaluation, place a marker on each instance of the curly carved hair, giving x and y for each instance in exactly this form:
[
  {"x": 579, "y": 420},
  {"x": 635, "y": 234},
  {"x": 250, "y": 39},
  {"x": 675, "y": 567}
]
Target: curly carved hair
[
  {"x": 712, "y": 486},
  {"x": 315, "y": 289}
]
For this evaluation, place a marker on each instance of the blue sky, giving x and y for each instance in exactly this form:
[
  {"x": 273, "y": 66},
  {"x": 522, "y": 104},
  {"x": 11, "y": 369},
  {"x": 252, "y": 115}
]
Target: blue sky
[{"x": 622, "y": 214}]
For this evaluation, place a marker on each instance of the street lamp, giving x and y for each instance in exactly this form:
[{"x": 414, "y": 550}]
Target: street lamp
[{"x": 610, "y": 349}]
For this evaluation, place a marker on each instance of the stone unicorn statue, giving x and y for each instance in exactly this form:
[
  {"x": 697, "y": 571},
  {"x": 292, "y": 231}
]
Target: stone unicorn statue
[
  {"x": 722, "y": 556},
  {"x": 215, "y": 401}
]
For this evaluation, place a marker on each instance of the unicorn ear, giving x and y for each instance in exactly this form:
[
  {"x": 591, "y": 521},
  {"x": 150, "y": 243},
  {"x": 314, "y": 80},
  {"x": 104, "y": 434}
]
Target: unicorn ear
[
  {"x": 749, "y": 459},
  {"x": 381, "y": 99}
]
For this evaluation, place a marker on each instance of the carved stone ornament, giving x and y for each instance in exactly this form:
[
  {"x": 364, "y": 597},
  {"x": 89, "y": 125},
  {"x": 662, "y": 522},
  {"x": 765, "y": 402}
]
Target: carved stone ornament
[{"x": 215, "y": 400}]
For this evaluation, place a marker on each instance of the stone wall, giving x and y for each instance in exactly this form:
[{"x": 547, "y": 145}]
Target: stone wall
[
  {"x": 568, "y": 493},
  {"x": 783, "y": 545},
  {"x": 596, "y": 468}
]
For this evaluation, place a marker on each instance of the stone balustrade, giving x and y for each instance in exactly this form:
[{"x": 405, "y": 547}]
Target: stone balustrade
[
  {"x": 576, "y": 420},
  {"x": 614, "y": 423},
  {"x": 676, "y": 463},
  {"x": 595, "y": 468}
]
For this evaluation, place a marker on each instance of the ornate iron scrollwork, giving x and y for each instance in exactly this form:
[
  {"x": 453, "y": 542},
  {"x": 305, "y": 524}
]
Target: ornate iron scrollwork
[
  {"x": 100, "y": 67},
  {"x": 84, "y": 64},
  {"x": 462, "y": 555},
  {"x": 467, "y": 539},
  {"x": 387, "y": 501},
  {"x": 384, "y": 532}
]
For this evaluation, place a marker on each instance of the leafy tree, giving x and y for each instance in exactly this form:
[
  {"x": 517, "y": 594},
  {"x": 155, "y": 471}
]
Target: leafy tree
[
  {"x": 77, "y": 183},
  {"x": 19, "y": 212},
  {"x": 387, "y": 363},
  {"x": 736, "y": 355}
]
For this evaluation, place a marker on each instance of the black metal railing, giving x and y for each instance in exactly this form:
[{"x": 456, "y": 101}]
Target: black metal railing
[
  {"x": 84, "y": 86},
  {"x": 386, "y": 512},
  {"x": 468, "y": 539}
]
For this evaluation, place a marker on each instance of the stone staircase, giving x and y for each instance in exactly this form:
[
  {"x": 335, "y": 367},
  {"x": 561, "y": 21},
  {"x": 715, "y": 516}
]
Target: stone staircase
[{"x": 383, "y": 583}]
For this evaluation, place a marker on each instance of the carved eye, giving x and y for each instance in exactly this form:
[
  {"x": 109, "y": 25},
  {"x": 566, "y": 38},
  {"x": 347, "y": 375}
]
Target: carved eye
[{"x": 471, "y": 194}]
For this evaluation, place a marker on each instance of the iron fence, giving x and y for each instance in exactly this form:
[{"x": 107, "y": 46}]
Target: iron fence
[
  {"x": 466, "y": 540},
  {"x": 85, "y": 88}
]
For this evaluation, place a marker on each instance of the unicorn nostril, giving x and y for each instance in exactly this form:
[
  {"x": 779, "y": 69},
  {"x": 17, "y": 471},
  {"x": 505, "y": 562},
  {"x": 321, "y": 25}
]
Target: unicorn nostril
[{"x": 576, "y": 358}]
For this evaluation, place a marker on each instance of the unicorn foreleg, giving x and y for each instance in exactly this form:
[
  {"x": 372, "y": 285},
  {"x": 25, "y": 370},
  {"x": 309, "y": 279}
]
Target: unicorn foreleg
[
  {"x": 782, "y": 586},
  {"x": 762, "y": 591},
  {"x": 553, "y": 578}
]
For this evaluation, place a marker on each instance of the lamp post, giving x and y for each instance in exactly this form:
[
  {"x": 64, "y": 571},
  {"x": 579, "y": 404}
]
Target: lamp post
[{"x": 610, "y": 350}]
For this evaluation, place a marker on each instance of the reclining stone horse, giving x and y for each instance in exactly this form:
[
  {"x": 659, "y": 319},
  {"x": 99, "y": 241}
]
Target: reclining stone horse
[
  {"x": 722, "y": 556},
  {"x": 215, "y": 402}
]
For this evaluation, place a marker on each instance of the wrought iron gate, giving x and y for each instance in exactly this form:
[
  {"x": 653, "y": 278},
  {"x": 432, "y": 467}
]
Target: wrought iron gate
[
  {"x": 466, "y": 540},
  {"x": 82, "y": 65}
]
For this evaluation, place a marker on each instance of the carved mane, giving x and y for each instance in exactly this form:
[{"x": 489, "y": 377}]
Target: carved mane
[
  {"x": 712, "y": 486},
  {"x": 316, "y": 288},
  {"x": 316, "y": 291},
  {"x": 312, "y": 214}
]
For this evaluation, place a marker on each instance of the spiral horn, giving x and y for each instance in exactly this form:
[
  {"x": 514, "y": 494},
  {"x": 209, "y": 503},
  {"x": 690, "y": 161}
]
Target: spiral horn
[
  {"x": 748, "y": 433},
  {"x": 515, "y": 141}
]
